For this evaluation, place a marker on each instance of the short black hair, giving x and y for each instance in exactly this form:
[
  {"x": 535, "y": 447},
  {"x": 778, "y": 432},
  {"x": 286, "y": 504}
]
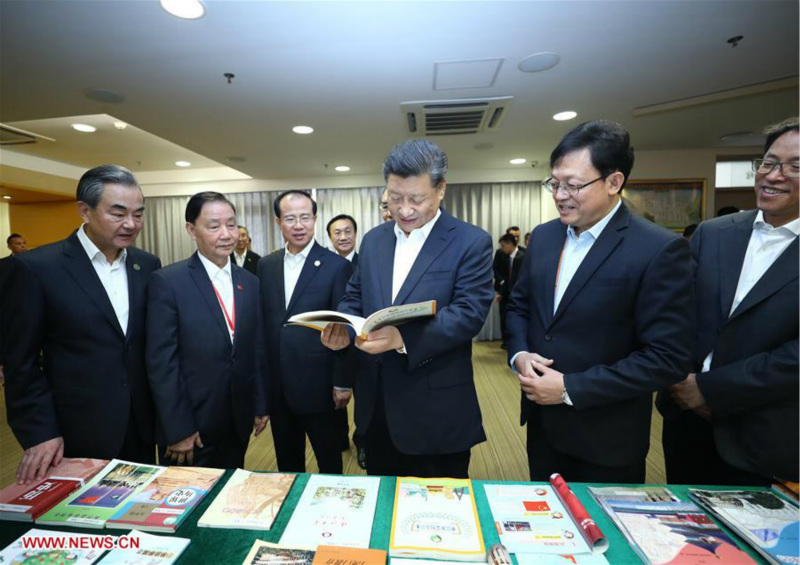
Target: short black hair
[
  {"x": 512, "y": 228},
  {"x": 774, "y": 131},
  {"x": 12, "y": 236},
  {"x": 342, "y": 217},
  {"x": 90, "y": 187},
  {"x": 196, "y": 203},
  {"x": 609, "y": 146},
  {"x": 689, "y": 230},
  {"x": 276, "y": 206},
  {"x": 416, "y": 157},
  {"x": 508, "y": 238}
]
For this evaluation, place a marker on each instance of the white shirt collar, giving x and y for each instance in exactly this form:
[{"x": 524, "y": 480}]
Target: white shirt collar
[
  {"x": 212, "y": 269},
  {"x": 793, "y": 226},
  {"x": 92, "y": 250},
  {"x": 598, "y": 228},
  {"x": 352, "y": 254},
  {"x": 424, "y": 231},
  {"x": 303, "y": 252}
]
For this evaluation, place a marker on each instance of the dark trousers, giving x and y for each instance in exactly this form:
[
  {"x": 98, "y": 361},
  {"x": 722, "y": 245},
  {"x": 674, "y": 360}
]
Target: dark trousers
[
  {"x": 344, "y": 428},
  {"x": 503, "y": 307},
  {"x": 134, "y": 448},
  {"x": 691, "y": 456},
  {"x": 289, "y": 432},
  {"x": 544, "y": 460},
  {"x": 225, "y": 451},
  {"x": 384, "y": 459}
]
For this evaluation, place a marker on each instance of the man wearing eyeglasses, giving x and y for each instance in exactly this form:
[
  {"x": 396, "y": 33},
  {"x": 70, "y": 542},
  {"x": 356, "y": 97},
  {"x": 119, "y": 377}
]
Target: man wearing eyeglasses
[
  {"x": 733, "y": 420},
  {"x": 600, "y": 318},
  {"x": 308, "y": 382}
]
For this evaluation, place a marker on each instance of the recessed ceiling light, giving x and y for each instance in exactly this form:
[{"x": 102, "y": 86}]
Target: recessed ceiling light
[
  {"x": 85, "y": 128},
  {"x": 564, "y": 116},
  {"x": 6, "y": 197},
  {"x": 303, "y": 130},
  {"x": 186, "y": 9},
  {"x": 538, "y": 62},
  {"x": 341, "y": 168},
  {"x": 120, "y": 125},
  {"x": 519, "y": 161},
  {"x": 183, "y": 163}
]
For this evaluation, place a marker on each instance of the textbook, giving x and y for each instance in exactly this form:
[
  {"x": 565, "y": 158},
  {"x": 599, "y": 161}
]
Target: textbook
[
  {"x": 59, "y": 551},
  {"x": 436, "y": 519},
  {"x": 25, "y": 503},
  {"x": 152, "y": 550},
  {"x": 264, "y": 553},
  {"x": 103, "y": 495},
  {"x": 766, "y": 521},
  {"x": 249, "y": 501},
  {"x": 391, "y": 316},
  {"x": 543, "y": 519},
  {"x": 164, "y": 504}
]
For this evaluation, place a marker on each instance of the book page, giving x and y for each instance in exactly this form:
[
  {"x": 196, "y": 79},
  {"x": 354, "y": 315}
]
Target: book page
[
  {"x": 318, "y": 319},
  {"x": 395, "y": 315}
]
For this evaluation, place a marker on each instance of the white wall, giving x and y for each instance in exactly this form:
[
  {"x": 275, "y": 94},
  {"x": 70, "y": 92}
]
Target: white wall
[{"x": 5, "y": 229}]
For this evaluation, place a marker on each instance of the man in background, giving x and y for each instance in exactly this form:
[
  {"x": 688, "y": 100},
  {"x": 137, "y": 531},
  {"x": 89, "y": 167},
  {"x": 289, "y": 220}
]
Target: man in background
[
  {"x": 242, "y": 255},
  {"x": 342, "y": 231},
  {"x": 386, "y": 215},
  {"x": 16, "y": 244},
  {"x": 80, "y": 303},
  {"x": 506, "y": 276}
]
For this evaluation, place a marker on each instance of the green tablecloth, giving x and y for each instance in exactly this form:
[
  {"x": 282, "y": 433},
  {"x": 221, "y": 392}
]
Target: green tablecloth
[{"x": 214, "y": 546}]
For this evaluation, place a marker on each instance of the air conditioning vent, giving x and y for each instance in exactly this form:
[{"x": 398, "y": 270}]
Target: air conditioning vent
[{"x": 454, "y": 117}]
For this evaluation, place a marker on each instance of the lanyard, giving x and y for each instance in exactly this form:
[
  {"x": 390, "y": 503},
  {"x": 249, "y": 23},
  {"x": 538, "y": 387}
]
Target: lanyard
[{"x": 231, "y": 319}]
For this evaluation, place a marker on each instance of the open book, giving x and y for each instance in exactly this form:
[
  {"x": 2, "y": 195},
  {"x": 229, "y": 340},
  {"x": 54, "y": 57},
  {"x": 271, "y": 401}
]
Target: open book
[{"x": 391, "y": 316}]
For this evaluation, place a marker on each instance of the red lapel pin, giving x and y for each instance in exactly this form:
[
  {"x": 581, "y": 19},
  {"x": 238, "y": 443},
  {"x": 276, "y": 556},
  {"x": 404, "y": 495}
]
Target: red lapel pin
[{"x": 239, "y": 287}]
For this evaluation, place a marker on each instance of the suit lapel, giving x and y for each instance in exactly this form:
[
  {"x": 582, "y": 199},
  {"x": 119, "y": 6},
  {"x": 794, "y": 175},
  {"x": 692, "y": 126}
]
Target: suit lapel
[
  {"x": 238, "y": 301},
  {"x": 437, "y": 241},
  {"x": 133, "y": 270},
  {"x": 780, "y": 273},
  {"x": 275, "y": 276},
  {"x": 80, "y": 268},
  {"x": 206, "y": 289},
  {"x": 609, "y": 239},
  {"x": 552, "y": 261},
  {"x": 733, "y": 242},
  {"x": 310, "y": 269},
  {"x": 386, "y": 264}
]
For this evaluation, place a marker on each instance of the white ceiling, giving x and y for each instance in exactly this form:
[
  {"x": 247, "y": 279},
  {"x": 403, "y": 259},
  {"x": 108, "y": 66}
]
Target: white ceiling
[{"x": 345, "y": 67}]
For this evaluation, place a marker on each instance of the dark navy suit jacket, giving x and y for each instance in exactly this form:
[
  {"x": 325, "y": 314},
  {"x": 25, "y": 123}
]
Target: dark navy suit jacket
[
  {"x": 301, "y": 368},
  {"x": 92, "y": 374},
  {"x": 623, "y": 330},
  {"x": 200, "y": 380},
  {"x": 429, "y": 394},
  {"x": 752, "y": 387}
]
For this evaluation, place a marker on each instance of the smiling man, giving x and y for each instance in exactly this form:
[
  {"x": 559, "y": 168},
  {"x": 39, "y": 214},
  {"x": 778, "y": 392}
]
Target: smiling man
[
  {"x": 733, "y": 420},
  {"x": 417, "y": 402},
  {"x": 203, "y": 342},
  {"x": 342, "y": 231},
  {"x": 80, "y": 302},
  {"x": 600, "y": 318}
]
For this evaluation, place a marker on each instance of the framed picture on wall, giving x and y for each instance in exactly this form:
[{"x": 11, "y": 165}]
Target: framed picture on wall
[{"x": 672, "y": 203}]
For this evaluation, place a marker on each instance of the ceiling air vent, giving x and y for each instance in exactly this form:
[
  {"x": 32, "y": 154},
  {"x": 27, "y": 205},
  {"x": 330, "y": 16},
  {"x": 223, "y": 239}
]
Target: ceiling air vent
[
  {"x": 13, "y": 136},
  {"x": 454, "y": 117}
]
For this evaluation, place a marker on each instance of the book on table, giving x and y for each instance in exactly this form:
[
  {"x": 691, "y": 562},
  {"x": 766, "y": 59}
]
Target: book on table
[
  {"x": 42, "y": 547},
  {"x": 152, "y": 550},
  {"x": 25, "y": 503},
  {"x": 164, "y": 504},
  {"x": 764, "y": 520},
  {"x": 265, "y": 553},
  {"x": 248, "y": 501},
  {"x": 662, "y": 529},
  {"x": 391, "y": 316},
  {"x": 436, "y": 519}
]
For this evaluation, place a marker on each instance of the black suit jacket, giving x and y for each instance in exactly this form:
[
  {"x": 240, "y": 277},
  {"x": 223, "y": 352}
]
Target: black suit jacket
[
  {"x": 92, "y": 374},
  {"x": 752, "y": 386},
  {"x": 623, "y": 330},
  {"x": 301, "y": 368},
  {"x": 354, "y": 262},
  {"x": 506, "y": 283},
  {"x": 200, "y": 380},
  {"x": 250, "y": 261},
  {"x": 500, "y": 269}
]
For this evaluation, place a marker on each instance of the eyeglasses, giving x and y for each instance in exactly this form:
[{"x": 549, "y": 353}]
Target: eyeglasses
[
  {"x": 554, "y": 186},
  {"x": 384, "y": 206},
  {"x": 304, "y": 219},
  {"x": 766, "y": 166}
]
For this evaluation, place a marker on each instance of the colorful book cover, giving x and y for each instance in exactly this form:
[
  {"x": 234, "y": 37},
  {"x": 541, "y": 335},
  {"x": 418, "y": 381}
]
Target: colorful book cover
[
  {"x": 103, "y": 495},
  {"x": 333, "y": 555},
  {"x": 249, "y": 501},
  {"x": 766, "y": 521},
  {"x": 152, "y": 550},
  {"x": 164, "y": 504},
  {"x": 333, "y": 510},
  {"x": 436, "y": 519},
  {"x": 264, "y": 553},
  {"x": 21, "y": 551}
]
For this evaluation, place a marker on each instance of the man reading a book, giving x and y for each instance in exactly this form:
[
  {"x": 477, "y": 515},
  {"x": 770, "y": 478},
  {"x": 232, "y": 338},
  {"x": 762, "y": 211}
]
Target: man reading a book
[{"x": 417, "y": 401}]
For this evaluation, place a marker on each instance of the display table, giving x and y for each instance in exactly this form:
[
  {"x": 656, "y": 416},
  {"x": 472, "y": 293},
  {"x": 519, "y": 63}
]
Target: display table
[{"x": 216, "y": 546}]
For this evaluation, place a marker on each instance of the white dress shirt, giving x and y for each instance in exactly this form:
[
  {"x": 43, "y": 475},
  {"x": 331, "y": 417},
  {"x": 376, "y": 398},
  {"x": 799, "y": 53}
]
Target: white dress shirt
[
  {"x": 351, "y": 255},
  {"x": 765, "y": 246},
  {"x": 406, "y": 250},
  {"x": 222, "y": 279},
  {"x": 292, "y": 267},
  {"x": 113, "y": 277},
  {"x": 240, "y": 258}
]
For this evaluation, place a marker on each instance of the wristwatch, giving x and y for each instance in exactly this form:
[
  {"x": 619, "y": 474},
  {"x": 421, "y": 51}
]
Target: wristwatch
[{"x": 565, "y": 397}]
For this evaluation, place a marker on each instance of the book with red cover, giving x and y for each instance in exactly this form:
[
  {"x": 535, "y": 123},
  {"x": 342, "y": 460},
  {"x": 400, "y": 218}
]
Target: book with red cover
[{"x": 25, "y": 503}]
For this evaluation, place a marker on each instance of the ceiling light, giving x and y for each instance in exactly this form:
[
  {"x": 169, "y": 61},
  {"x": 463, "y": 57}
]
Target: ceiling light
[
  {"x": 538, "y": 62},
  {"x": 303, "y": 130},
  {"x": 120, "y": 125},
  {"x": 183, "y": 163},
  {"x": 7, "y": 197},
  {"x": 564, "y": 116},
  {"x": 519, "y": 161},
  {"x": 342, "y": 168},
  {"x": 186, "y": 9},
  {"x": 84, "y": 128}
]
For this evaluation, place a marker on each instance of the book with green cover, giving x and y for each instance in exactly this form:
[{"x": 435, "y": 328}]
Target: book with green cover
[{"x": 103, "y": 496}]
